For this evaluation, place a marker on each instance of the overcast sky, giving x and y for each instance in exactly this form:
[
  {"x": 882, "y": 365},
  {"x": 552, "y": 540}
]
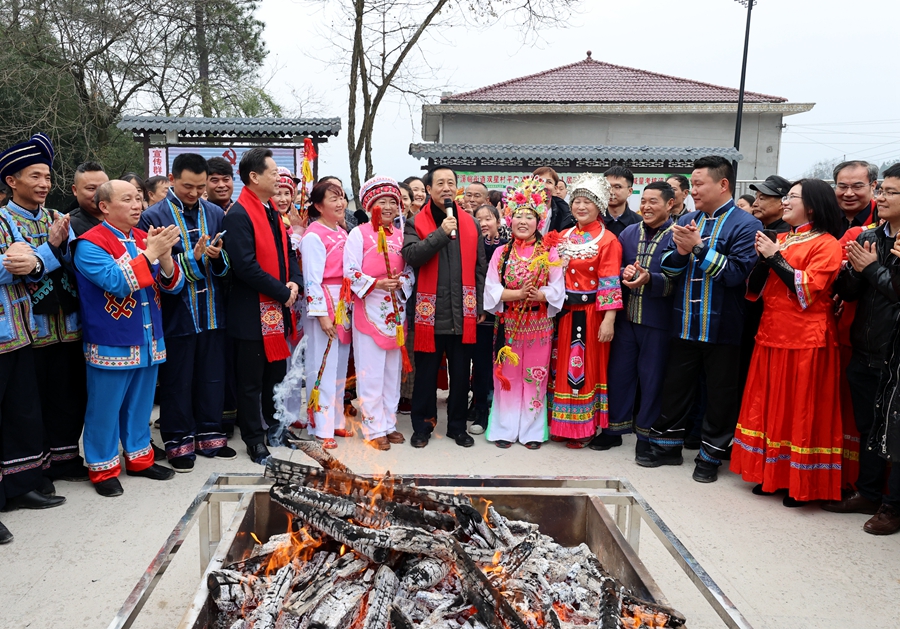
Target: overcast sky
[{"x": 841, "y": 56}]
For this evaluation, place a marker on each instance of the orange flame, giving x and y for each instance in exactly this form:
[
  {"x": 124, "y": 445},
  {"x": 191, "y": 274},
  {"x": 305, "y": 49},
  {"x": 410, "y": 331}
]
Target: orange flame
[
  {"x": 343, "y": 550},
  {"x": 300, "y": 547},
  {"x": 255, "y": 538}
]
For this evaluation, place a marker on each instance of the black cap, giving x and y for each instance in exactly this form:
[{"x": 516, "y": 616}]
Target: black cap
[{"x": 774, "y": 186}]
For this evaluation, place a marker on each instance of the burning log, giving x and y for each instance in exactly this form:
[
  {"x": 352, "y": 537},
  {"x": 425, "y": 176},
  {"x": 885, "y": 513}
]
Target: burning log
[
  {"x": 267, "y": 613},
  {"x": 317, "y": 453},
  {"x": 423, "y": 575},
  {"x": 380, "y": 598},
  {"x": 475, "y": 526},
  {"x": 340, "y": 607},
  {"x": 388, "y": 488},
  {"x": 231, "y": 589}
]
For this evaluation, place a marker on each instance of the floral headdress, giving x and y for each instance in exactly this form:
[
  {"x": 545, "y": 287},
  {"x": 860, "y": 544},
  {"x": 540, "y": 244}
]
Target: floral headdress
[{"x": 528, "y": 194}]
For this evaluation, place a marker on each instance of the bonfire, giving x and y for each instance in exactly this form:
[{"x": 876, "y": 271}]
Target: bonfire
[{"x": 379, "y": 553}]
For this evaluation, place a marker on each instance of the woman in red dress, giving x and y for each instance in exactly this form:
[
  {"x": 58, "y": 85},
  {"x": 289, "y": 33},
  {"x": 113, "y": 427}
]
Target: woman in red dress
[
  {"x": 789, "y": 434},
  {"x": 593, "y": 295}
]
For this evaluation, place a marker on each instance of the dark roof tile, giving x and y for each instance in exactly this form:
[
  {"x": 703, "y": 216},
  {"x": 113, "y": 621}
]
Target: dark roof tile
[
  {"x": 591, "y": 81},
  {"x": 574, "y": 152},
  {"x": 232, "y": 127}
]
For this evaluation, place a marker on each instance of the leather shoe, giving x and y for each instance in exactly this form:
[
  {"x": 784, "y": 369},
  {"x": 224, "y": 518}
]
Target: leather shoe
[
  {"x": 5, "y": 536},
  {"x": 396, "y": 437},
  {"x": 705, "y": 473},
  {"x": 259, "y": 453},
  {"x": 109, "y": 488},
  {"x": 154, "y": 472},
  {"x": 33, "y": 500},
  {"x": 852, "y": 502},
  {"x": 464, "y": 440},
  {"x": 885, "y": 522},
  {"x": 379, "y": 443},
  {"x": 419, "y": 439}
]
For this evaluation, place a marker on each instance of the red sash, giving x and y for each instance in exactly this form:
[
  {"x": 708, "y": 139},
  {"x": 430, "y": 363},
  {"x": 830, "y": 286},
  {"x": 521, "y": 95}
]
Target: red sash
[
  {"x": 426, "y": 287},
  {"x": 271, "y": 315}
]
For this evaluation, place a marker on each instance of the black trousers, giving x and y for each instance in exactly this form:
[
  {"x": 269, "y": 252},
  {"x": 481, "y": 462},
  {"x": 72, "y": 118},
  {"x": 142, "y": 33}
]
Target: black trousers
[
  {"x": 424, "y": 400},
  {"x": 192, "y": 394},
  {"x": 229, "y": 412},
  {"x": 721, "y": 363},
  {"x": 22, "y": 455},
  {"x": 483, "y": 367},
  {"x": 863, "y": 381},
  {"x": 61, "y": 376},
  {"x": 256, "y": 379}
]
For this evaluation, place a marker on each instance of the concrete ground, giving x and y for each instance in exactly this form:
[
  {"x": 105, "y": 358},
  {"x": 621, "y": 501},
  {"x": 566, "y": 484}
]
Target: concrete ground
[{"x": 74, "y": 566}]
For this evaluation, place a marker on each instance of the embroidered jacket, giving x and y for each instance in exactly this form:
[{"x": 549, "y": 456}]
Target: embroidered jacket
[
  {"x": 57, "y": 286},
  {"x": 650, "y": 304},
  {"x": 120, "y": 299},
  {"x": 16, "y": 319},
  {"x": 710, "y": 288},
  {"x": 592, "y": 272},
  {"x": 373, "y": 311},
  {"x": 201, "y": 305},
  {"x": 322, "y": 251}
]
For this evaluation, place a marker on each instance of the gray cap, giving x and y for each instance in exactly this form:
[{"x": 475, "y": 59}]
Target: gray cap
[{"x": 774, "y": 186}]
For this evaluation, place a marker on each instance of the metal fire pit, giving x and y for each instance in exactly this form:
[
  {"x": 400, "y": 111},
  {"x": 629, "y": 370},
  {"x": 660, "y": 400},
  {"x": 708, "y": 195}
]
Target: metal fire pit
[{"x": 571, "y": 509}]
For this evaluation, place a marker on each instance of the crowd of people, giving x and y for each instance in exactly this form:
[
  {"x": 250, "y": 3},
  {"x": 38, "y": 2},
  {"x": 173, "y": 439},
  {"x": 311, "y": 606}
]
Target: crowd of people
[{"x": 759, "y": 332}]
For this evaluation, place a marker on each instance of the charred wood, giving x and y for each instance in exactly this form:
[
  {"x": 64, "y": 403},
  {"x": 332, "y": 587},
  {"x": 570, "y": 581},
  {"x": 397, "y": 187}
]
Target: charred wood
[
  {"x": 316, "y": 452},
  {"x": 380, "y": 598}
]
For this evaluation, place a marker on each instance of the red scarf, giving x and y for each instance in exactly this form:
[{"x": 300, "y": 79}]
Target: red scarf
[
  {"x": 426, "y": 288},
  {"x": 271, "y": 315}
]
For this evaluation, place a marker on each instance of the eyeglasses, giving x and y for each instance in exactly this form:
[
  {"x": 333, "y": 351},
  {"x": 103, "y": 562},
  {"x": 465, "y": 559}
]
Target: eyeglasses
[
  {"x": 790, "y": 197},
  {"x": 859, "y": 186},
  {"x": 887, "y": 194}
]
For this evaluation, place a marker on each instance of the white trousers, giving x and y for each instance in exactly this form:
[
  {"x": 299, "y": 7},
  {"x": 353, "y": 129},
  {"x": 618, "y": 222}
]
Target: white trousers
[
  {"x": 334, "y": 377},
  {"x": 377, "y": 385}
]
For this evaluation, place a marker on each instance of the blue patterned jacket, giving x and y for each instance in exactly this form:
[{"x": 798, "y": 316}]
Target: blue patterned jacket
[
  {"x": 710, "y": 288},
  {"x": 201, "y": 305}
]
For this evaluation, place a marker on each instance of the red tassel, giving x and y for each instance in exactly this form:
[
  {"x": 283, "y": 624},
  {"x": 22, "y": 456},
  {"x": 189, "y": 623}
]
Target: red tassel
[
  {"x": 311, "y": 417},
  {"x": 407, "y": 366},
  {"x": 424, "y": 341},
  {"x": 276, "y": 347},
  {"x": 505, "y": 384},
  {"x": 469, "y": 336}
]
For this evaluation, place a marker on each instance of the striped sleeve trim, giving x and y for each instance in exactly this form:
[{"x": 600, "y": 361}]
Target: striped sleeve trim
[
  {"x": 801, "y": 285},
  {"x": 668, "y": 268},
  {"x": 713, "y": 263},
  {"x": 188, "y": 266}
]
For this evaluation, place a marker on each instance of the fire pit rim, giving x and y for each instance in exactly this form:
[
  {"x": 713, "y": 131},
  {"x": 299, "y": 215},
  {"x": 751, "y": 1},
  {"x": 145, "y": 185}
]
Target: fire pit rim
[{"x": 219, "y": 487}]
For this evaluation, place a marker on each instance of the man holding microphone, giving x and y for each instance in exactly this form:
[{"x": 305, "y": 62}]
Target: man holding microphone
[{"x": 449, "y": 291}]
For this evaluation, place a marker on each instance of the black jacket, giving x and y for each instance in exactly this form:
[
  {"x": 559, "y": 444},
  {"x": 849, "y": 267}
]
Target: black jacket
[
  {"x": 248, "y": 278},
  {"x": 884, "y": 438},
  {"x": 560, "y": 215},
  {"x": 448, "y": 317},
  {"x": 876, "y": 314},
  {"x": 617, "y": 226},
  {"x": 80, "y": 220}
]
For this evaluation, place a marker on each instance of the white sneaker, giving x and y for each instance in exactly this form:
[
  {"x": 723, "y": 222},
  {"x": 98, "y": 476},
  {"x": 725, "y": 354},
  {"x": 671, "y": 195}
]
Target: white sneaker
[{"x": 476, "y": 429}]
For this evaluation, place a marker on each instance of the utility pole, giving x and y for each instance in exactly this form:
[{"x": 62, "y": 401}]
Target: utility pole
[{"x": 740, "y": 108}]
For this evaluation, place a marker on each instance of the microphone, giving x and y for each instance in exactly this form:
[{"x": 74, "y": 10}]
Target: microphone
[{"x": 448, "y": 206}]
